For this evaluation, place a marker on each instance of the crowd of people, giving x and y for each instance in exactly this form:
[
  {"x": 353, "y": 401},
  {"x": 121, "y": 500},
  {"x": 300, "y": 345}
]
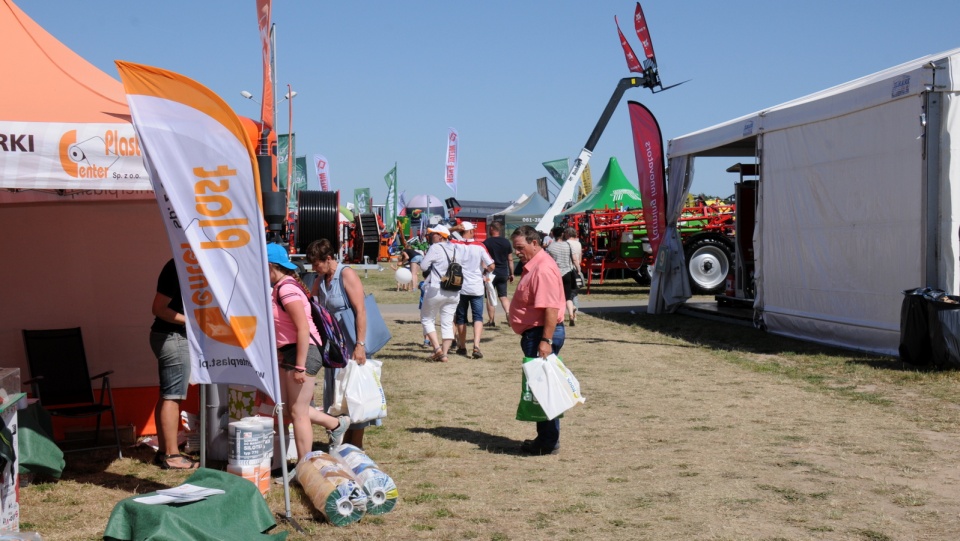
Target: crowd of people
[{"x": 460, "y": 276}]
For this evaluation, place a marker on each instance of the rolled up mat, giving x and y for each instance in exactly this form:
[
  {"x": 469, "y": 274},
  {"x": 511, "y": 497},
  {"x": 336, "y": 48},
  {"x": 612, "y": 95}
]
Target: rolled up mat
[
  {"x": 331, "y": 489},
  {"x": 380, "y": 489}
]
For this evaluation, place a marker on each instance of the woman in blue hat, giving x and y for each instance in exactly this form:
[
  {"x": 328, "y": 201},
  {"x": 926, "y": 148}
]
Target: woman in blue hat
[{"x": 299, "y": 353}]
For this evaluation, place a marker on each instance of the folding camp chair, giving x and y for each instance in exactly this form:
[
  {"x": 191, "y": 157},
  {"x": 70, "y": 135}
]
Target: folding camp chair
[{"x": 60, "y": 380}]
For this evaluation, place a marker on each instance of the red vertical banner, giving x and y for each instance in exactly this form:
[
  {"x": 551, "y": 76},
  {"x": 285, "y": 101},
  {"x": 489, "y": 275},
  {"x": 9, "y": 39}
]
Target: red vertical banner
[
  {"x": 648, "y": 149},
  {"x": 266, "y": 102},
  {"x": 640, "y": 23},
  {"x": 632, "y": 63}
]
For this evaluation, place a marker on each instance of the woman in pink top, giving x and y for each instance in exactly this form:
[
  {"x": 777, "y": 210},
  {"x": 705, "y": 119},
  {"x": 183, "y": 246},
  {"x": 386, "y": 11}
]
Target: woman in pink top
[{"x": 299, "y": 353}]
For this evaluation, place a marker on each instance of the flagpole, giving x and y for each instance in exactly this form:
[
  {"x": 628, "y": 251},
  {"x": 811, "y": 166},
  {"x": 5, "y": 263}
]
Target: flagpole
[
  {"x": 289, "y": 98},
  {"x": 276, "y": 373}
]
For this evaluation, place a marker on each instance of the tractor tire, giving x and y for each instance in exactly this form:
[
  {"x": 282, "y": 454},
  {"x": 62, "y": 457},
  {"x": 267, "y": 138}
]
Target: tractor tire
[
  {"x": 643, "y": 275},
  {"x": 709, "y": 260}
]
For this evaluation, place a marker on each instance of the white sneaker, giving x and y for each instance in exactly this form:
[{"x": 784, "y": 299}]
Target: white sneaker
[{"x": 336, "y": 435}]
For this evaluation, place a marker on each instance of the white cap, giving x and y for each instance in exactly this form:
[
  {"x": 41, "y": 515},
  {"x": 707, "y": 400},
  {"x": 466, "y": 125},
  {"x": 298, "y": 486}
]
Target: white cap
[
  {"x": 439, "y": 228},
  {"x": 468, "y": 226}
]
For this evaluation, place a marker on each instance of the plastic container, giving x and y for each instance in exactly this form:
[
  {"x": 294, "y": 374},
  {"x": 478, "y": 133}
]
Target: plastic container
[{"x": 247, "y": 443}]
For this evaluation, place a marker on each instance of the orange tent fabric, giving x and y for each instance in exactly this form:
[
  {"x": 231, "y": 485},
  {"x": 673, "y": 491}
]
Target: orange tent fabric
[
  {"x": 51, "y": 82},
  {"x": 64, "y": 123}
]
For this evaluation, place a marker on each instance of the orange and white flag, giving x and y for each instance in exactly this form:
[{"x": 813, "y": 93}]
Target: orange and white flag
[{"x": 204, "y": 173}]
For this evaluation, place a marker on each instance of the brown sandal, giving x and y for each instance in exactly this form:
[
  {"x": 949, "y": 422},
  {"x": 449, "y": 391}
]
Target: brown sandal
[{"x": 439, "y": 356}]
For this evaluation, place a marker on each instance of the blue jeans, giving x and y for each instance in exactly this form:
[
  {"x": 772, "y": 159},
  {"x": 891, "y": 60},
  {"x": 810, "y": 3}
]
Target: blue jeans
[{"x": 548, "y": 432}]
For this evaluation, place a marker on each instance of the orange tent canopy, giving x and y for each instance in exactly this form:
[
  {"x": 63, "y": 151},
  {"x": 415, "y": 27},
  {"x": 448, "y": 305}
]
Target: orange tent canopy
[
  {"x": 51, "y": 83},
  {"x": 47, "y": 82}
]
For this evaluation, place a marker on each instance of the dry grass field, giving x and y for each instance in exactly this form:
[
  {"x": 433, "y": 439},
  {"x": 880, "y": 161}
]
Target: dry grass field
[{"x": 692, "y": 429}]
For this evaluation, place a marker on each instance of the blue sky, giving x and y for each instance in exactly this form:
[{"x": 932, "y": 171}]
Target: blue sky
[{"x": 523, "y": 81}]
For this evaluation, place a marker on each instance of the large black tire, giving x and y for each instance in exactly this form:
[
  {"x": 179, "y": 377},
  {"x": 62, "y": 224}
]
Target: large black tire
[
  {"x": 709, "y": 260},
  {"x": 643, "y": 275}
]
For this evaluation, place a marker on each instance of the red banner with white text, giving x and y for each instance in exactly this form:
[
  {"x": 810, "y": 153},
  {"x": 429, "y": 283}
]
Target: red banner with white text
[
  {"x": 648, "y": 149},
  {"x": 266, "y": 100},
  {"x": 632, "y": 63},
  {"x": 640, "y": 23}
]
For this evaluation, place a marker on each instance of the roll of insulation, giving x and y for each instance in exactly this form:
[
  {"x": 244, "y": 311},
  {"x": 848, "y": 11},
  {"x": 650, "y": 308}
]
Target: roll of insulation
[
  {"x": 331, "y": 489},
  {"x": 380, "y": 489}
]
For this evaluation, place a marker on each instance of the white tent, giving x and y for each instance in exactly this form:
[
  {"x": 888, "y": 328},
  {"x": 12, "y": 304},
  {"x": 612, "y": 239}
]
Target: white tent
[{"x": 859, "y": 199}]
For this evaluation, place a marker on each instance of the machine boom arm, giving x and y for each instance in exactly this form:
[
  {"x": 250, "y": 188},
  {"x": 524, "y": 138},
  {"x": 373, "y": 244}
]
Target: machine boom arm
[{"x": 570, "y": 184}]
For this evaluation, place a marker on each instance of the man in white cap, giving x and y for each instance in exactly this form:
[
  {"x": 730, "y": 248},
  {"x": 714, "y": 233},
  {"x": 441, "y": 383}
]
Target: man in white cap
[{"x": 475, "y": 262}]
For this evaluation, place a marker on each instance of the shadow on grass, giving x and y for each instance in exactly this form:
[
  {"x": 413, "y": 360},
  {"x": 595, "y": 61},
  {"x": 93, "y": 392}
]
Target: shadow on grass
[
  {"x": 90, "y": 467},
  {"x": 723, "y": 336},
  {"x": 631, "y": 293},
  {"x": 486, "y": 442},
  {"x": 889, "y": 363}
]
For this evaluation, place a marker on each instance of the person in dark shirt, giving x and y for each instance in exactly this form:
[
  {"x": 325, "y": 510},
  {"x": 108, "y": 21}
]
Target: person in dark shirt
[
  {"x": 501, "y": 251},
  {"x": 168, "y": 340}
]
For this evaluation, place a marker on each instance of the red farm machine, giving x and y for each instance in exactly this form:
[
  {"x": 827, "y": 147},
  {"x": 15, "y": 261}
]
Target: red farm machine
[{"x": 617, "y": 239}]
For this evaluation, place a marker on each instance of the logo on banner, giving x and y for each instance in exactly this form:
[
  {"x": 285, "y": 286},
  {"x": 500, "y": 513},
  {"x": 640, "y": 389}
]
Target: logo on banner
[
  {"x": 320, "y": 164},
  {"x": 223, "y": 230},
  {"x": 93, "y": 157}
]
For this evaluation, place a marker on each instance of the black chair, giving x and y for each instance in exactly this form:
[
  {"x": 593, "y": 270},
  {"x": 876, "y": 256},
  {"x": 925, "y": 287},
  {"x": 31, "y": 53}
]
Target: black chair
[{"x": 60, "y": 380}]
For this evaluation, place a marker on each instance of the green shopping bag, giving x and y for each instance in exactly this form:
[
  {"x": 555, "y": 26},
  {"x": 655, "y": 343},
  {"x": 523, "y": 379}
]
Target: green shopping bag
[{"x": 529, "y": 409}]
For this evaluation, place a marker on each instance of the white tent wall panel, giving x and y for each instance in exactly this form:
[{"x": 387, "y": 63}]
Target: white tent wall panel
[
  {"x": 842, "y": 226},
  {"x": 88, "y": 265},
  {"x": 950, "y": 193}
]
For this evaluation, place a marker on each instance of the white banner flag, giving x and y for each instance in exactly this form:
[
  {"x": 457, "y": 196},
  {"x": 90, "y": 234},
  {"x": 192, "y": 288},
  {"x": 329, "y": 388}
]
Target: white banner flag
[
  {"x": 453, "y": 145},
  {"x": 203, "y": 171},
  {"x": 322, "y": 167}
]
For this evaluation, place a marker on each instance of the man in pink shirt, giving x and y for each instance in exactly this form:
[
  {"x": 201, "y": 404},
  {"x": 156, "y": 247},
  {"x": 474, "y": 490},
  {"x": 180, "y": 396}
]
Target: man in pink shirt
[{"x": 536, "y": 314}]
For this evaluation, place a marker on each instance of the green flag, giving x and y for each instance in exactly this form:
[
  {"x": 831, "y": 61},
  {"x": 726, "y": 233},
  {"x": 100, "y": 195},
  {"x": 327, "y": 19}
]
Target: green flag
[
  {"x": 390, "y": 210},
  {"x": 361, "y": 201},
  {"x": 558, "y": 169},
  {"x": 282, "y": 154},
  {"x": 299, "y": 180}
]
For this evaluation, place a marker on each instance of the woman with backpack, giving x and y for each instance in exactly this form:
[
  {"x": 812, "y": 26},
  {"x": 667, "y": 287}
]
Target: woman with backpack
[
  {"x": 439, "y": 302},
  {"x": 339, "y": 288},
  {"x": 298, "y": 351}
]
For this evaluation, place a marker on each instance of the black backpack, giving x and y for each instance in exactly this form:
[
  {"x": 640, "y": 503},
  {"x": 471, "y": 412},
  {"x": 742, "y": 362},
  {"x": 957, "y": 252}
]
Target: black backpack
[{"x": 453, "y": 279}]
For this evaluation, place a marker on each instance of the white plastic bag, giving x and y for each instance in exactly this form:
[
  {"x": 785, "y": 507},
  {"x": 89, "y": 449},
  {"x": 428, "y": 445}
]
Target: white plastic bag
[
  {"x": 491, "y": 291},
  {"x": 553, "y": 385},
  {"x": 359, "y": 392}
]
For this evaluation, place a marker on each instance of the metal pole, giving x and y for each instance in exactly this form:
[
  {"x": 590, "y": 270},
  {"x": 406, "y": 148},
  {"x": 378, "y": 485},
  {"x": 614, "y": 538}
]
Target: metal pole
[
  {"x": 289, "y": 97},
  {"x": 203, "y": 426}
]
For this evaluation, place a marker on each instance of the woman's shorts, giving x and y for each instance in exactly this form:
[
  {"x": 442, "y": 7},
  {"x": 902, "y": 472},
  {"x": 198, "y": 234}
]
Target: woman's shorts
[
  {"x": 288, "y": 359},
  {"x": 173, "y": 363}
]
